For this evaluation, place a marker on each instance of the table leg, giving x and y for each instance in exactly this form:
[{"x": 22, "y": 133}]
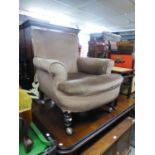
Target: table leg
[{"x": 130, "y": 86}]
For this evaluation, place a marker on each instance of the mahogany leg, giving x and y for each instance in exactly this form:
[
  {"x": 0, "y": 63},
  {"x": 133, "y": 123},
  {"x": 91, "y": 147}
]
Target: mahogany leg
[
  {"x": 68, "y": 122},
  {"x": 115, "y": 101},
  {"x": 27, "y": 118}
]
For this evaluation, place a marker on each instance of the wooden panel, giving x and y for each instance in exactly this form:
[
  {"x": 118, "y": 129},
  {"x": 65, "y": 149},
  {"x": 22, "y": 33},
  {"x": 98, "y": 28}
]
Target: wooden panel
[
  {"x": 29, "y": 53},
  {"x": 123, "y": 144},
  {"x": 21, "y": 40},
  {"x": 83, "y": 123},
  {"x": 116, "y": 140},
  {"x": 24, "y": 76}
]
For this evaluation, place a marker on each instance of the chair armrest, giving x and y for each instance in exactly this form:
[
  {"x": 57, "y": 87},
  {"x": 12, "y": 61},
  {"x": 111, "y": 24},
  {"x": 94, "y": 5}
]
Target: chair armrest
[
  {"x": 95, "y": 65},
  {"x": 51, "y": 66}
]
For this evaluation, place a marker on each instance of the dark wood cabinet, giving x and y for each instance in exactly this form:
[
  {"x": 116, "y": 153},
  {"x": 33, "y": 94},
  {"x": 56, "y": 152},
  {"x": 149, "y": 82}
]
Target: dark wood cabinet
[
  {"x": 26, "y": 69},
  {"x": 26, "y": 53}
]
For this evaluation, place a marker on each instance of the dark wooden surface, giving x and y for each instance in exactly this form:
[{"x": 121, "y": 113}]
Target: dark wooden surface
[
  {"x": 83, "y": 123},
  {"x": 116, "y": 140}
]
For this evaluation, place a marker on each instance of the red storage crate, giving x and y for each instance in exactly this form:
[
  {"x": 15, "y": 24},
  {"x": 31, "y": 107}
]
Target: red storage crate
[{"x": 123, "y": 60}]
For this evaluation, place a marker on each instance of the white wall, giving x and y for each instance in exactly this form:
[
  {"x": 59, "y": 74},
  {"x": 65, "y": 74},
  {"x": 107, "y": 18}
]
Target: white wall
[{"x": 83, "y": 40}]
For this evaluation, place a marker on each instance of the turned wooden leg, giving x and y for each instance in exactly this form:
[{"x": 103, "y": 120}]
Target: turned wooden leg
[
  {"x": 68, "y": 122},
  {"x": 115, "y": 101},
  {"x": 113, "y": 104},
  {"x": 26, "y": 118}
]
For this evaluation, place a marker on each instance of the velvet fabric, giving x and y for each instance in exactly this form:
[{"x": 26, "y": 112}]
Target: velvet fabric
[{"x": 75, "y": 84}]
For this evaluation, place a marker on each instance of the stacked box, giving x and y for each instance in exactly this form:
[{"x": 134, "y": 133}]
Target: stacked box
[{"x": 105, "y": 36}]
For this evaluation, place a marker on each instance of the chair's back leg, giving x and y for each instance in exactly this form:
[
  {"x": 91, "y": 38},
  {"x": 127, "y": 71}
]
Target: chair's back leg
[{"x": 68, "y": 122}]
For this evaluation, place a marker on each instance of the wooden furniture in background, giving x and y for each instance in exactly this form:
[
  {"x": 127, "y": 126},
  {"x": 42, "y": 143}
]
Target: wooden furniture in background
[
  {"x": 98, "y": 49},
  {"x": 100, "y": 44},
  {"x": 128, "y": 75},
  {"x": 124, "y": 55}
]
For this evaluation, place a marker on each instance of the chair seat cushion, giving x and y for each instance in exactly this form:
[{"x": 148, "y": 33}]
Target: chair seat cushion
[
  {"x": 79, "y": 75},
  {"x": 91, "y": 85}
]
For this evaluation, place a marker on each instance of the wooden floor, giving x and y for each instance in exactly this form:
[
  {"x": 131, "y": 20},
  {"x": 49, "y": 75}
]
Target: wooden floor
[{"x": 83, "y": 124}]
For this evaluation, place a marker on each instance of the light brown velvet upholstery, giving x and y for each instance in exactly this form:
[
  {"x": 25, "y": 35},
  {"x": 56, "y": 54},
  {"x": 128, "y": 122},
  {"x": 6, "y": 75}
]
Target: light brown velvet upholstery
[
  {"x": 97, "y": 90},
  {"x": 94, "y": 65},
  {"x": 90, "y": 85},
  {"x": 75, "y": 84},
  {"x": 79, "y": 75},
  {"x": 56, "y": 45}
]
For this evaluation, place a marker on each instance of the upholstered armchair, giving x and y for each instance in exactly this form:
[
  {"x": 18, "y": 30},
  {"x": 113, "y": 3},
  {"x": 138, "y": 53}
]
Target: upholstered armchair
[{"x": 74, "y": 83}]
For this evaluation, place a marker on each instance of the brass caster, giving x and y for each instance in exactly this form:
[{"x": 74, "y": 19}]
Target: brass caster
[{"x": 69, "y": 131}]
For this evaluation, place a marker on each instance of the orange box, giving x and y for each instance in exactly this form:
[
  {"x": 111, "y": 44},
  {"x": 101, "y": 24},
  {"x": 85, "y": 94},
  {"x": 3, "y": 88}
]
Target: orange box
[{"x": 123, "y": 60}]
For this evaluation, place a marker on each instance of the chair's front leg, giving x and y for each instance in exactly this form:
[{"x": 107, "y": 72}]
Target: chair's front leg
[
  {"x": 115, "y": 102},
  {"x": 68, "y": 122}
]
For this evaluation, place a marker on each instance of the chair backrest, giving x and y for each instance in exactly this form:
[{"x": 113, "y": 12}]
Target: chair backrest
[{"x": 62, "y": 46}]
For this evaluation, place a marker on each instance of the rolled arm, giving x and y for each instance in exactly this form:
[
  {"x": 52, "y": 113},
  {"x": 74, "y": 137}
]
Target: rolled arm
[
  {"x": 51, "y": 66},
  {"x": 95, "y": 65}
]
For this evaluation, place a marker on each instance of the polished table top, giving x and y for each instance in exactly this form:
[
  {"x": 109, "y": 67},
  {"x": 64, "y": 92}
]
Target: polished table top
[
  {"x": 121, "y": 70},
  {"x": 84, "y": 124}
]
